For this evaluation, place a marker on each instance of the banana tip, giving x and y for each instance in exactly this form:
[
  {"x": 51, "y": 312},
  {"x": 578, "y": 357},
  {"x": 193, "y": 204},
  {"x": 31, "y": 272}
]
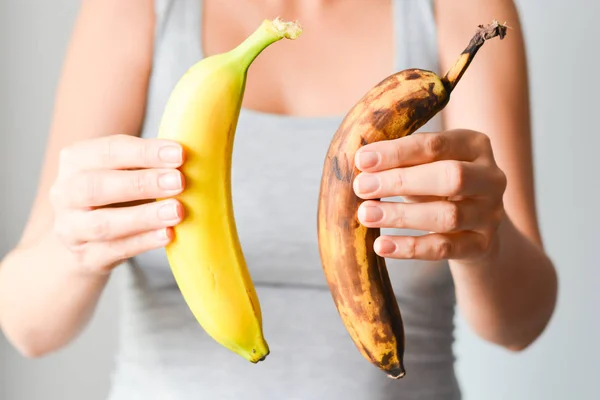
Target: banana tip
[
  {"x": 396, "y": 373},
  {"x": 263, "y": 358}
]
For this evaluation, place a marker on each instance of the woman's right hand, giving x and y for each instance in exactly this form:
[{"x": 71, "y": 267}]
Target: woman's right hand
[{"x": 96, "y": 180}]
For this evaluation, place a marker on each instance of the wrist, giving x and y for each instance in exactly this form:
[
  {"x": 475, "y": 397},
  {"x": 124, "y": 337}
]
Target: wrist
[{"x": 44, "y": 313}]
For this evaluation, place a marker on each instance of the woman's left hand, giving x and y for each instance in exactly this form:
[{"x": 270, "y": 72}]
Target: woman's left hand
[{"x": 452, "y": 187}]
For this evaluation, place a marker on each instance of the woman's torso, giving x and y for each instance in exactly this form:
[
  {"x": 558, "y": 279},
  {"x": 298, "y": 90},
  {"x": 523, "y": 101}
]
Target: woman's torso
[{"x": 276, "y": 166}]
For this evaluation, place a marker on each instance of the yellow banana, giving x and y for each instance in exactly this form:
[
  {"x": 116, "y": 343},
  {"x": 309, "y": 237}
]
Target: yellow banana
[
  {"x": 356, "y": 275},
  {"x": 205, "y": 256}
]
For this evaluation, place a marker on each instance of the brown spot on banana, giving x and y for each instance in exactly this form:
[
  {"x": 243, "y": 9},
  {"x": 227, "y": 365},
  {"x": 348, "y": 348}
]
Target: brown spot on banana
[
  {"x": 341, "y": 172},
  {"x": 357, "y": 277},
  {"x": 413, "y": 74},
  {"x": 387, "y": 116}
]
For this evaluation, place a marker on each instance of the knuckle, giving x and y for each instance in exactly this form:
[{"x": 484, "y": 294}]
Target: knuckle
[
  {"x": 79, "y": 250},
  {"x": 435, "y": 144},
  {"x": 451, "y": 217},
  {"x": 65, "y": 155},
  {"x": 84, "y": 257},
  {"x": 443, "y": 249},
  {"x": 396, "y": 155},
  {"x": 146, "y": 153},
  {"x": 110, "y": 150},
  {"x": 485, "y": 244},
  {"x": 411, "y": 247},
  {"x": 117, "y": 140},
  {"x": 55, "y": 194},
  {"x": 484, "y": 141},
  {"x": 455, "y": 175},
  {"x": 79, "y": 190},
  {"x": 398, "y": 217},
  {"x": 89, "y": 187},
  {"x": 62, "y": 231},
  {"x": 397, "y": 179},
  {"x": 142, "y": 182},
  {"x": 80, "y": 253},
  {"x": 499, "y": 214},
  {"x": 99, "y": 227},
  {"x": 66, "y": 161},
  {"x": 502, "y": 179}
]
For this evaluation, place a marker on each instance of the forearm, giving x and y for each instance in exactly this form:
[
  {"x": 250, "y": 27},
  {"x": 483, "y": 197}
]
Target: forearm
[
  {"x": 44, "y": 300},
  {"x": 509, "y": 296}
]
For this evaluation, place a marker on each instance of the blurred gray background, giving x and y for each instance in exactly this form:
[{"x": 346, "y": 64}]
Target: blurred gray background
[{"x": 564, "y": 53}]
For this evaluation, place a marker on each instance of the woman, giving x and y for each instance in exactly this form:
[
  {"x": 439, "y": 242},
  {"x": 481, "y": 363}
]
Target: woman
[{"x": 104, "y": 166}]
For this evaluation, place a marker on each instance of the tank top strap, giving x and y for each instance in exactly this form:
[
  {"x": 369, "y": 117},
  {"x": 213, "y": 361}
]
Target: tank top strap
[
  {"x": 179, "y": 20},
  {"x": 176, "y": 48},
  {"x": 161, "y": 12},
  {"x": 415, "y": 34}
]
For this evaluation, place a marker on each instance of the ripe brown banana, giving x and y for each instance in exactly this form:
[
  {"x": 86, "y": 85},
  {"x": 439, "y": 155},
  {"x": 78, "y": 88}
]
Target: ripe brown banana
[{"x": 357, "y": 277}]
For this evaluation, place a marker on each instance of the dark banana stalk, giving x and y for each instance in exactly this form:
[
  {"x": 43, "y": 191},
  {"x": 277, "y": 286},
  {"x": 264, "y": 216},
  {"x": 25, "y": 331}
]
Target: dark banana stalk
[{"x": 357, "y": 277}]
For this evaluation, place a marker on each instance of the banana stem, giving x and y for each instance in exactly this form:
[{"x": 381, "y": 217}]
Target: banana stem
[
  {"x": 484, "y": 33},
  {"x": 268, "y": 32}
]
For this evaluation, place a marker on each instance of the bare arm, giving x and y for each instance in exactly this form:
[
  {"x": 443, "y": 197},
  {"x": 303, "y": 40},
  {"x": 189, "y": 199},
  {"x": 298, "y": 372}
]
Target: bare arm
[
  {"x": 508, "y": 298},
  {"x": 44, "y": 299}
]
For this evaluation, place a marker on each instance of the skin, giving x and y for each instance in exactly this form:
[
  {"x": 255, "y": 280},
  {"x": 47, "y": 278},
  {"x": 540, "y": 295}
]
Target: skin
[{"x": 97, "y": 171}]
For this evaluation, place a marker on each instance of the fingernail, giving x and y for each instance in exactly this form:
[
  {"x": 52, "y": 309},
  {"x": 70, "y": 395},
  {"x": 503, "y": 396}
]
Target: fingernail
[
  {"x": 162, "y": 235},
  {"x": 168, "y": 212},
  {"x": 367, "y": 159},
  {"x": 170, "y": 181},
  {"x": 370, "y": 213},
  {"x": 171, "y": 154},
  {"x": 367, "y": 183},
  {"x": 386, "y": 247}
]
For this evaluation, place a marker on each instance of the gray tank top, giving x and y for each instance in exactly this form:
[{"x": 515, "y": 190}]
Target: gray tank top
[{"x": 164, "y": 353}]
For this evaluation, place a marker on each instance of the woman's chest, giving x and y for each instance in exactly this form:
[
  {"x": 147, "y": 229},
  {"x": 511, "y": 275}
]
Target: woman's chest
[{"x": 346, "y": 48}]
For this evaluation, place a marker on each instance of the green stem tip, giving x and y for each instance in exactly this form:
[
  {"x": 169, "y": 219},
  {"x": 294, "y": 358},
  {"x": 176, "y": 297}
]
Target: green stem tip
[
  {"x": 286, "y": 29},
  {"x": 269, "y": 32}
]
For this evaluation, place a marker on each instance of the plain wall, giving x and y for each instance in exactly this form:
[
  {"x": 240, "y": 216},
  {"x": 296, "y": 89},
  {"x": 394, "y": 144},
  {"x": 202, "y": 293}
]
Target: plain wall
[{"x": 564, "y": 51}]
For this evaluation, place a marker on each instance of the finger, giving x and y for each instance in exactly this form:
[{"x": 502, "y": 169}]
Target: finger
[
  {"x": 433, "y": 246},
  {"x": 129, "y": 203},
  {"x": 99, "y": 188},
  {"x": 441, "y": 178},
  {"x": 436, "y": 216},
  {"x": 422, "y": 148},
  {"x": 421, "y": 199},
  {"x": 426, "y": 199},
  {"x": 121, "y": 152},
  {"x": 112, "y": 223},
  {"x": 101, "y": 257}
]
